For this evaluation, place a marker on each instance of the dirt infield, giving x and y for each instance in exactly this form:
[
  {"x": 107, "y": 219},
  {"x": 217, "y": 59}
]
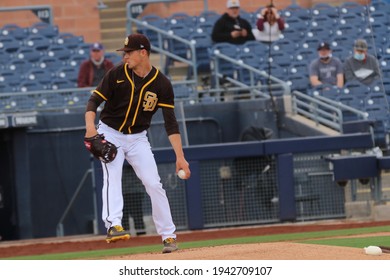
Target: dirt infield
[{"x": 271, "y": 251}]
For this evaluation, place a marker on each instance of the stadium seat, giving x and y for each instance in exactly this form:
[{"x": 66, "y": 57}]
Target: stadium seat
[
  {"x": 41, "y": 75},
  {"x": 284, "y": 45},
  {"x": 31, "y": 85},
  {"x": 75, "y": 60},
  {"x": 114, "y": 57},
  {"x": 58, "y": 51},
  {"x": 350, "y": 7},
  {"x": 181, "y": 18},
  {"x": 29, "y": 54},
  {"x": 60, "y": 83},
  {"x": 37, "y": 41},
  {"x": 297, "y": 67},
  {"x": 281, "y": 58},
  {"x": 5, "y": 88},
  {"x": 67, "y": 72},
  {"x": 14, "y": 31},
  {"x": 251, "y": 59},
  {"x": 255, "y": 47},
  {"x": 298, "y": 82},
  {"x": 203, "y": 44},
  {"x": 49, "y": 62},
  {"x": 44, "y": 29},
  {"x": 5, "y": 57},
  {"x": 320, "y": 9},
  {"x": 153, "y": 20},
  {"x": 68, "y": 40},
  {"x": 10, "y": 78},
  {"x": 20, "y": 66},
  {"x": 9, "y": 44},
  {"x": 306, "y": 54},
  {"x": 224, "y": 67},
  {"x": 296, "y": 10},
  {"x": 355, "y": 87}
]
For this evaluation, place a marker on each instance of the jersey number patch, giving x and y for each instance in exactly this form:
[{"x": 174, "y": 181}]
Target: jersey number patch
[{"x": 150, "y": 101}]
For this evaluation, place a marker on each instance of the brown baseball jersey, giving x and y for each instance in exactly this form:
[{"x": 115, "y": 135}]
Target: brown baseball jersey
[{"x": 131, "y": 101}]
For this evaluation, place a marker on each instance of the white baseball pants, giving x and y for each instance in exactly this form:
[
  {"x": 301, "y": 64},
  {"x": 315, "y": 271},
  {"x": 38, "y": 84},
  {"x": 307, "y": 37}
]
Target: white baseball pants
[{"x": 136, "y": 150}]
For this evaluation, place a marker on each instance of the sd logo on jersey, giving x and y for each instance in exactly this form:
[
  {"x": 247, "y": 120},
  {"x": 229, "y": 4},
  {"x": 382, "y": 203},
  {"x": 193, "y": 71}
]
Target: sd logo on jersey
[{"x": 150, "y": 101}]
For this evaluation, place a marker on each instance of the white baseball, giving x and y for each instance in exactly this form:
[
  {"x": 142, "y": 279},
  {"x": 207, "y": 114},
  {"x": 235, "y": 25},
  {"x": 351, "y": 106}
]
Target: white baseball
[
  {"x": 373, "y": 250},
  {"x": 181, "y": 174}
]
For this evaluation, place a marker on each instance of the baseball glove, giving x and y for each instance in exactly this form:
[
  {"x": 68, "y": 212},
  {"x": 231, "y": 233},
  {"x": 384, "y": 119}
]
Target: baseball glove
[{"x": 100, "y": 148}]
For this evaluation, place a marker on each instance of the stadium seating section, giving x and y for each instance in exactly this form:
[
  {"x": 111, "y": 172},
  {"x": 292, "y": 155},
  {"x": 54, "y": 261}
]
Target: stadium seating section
[{"x": 41, "y": 57}]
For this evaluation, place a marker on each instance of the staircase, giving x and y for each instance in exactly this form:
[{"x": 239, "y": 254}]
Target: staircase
[{"x": 113, "y": 24}]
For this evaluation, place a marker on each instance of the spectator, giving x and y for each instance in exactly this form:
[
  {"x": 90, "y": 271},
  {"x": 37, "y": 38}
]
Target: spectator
[
  {"x": 230, "y": 27},
  {"x": 93, "y": 69},
  {"x": 326, "y": 69},
  {"x": 269, "y": 25},
  {"x": 361, "y": 66}
]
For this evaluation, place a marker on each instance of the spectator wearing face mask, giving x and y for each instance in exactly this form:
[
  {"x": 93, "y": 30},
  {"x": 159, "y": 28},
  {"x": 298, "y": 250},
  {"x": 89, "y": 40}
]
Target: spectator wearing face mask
[
  {"x": 361, "y": 66},
  {"x": 326, "y": 69}
]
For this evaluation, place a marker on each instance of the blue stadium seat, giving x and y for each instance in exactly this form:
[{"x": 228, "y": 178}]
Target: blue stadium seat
[
  {"x": 44, "y": 29},
  {"x": 204, "y": 27},
  {"x": 284, "y": 45},
  {"x": 153, "y": 20},
  {"x": 274, "y": 70},
  {"x": 350, "y": 7},
  {"x": 203, "y": 44},
  {"x": 75, "y": 60},
  {"x": 355, "y": 87},
  {"x": 350, "y": 100},
  {"x": 30, "y": 54},
  {"x": 208, "y": 16},
  {"x": 298, "y": 82},
  {"x": 352, "y": 19},
  {"x": 14, "y": 31},
  {"x": 58, "y": 51},
  {"x": 4, "y": 56},
  {"x": 82, "y": 49},
  {"x": 43, "y": 76},
  {"x": 224, "y": 67},
  {"x": 9, "y": 44},
  {"x": 31, "y": 85},
  {"x": 320, "y": 9},
  {"x": 49, "y": 62},
  {"x": 10, "y": 78},
  {"x": 5, "y": 88},
  {"x": 181, "y": 18},
  {"x": 114, "y": 57},
  {"x": 67, "y": 72},
  {"x": 175, "y": 46},
  {"x": 296, "y": 10},
  {"x": 254, "y": 47},
  {"x": 297, "y": 67},
  {"x": 60, "y": 83},
  {"x": 68, "y": 40},
  {"x": 323, "y": 21},
  {"x": 251, "y": 59},
  {"x": 281, "y": 58},
  {"x": 306, "y": 54},
  {"x": 37, "y": 42},
  {"x": 20, "y": 66},
  {"x": 322, "y": 33},
  {"x": 372, "y": 98}
]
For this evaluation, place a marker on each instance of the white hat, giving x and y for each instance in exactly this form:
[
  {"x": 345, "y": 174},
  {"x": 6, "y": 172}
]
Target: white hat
[{"x": 233, "y": 4}]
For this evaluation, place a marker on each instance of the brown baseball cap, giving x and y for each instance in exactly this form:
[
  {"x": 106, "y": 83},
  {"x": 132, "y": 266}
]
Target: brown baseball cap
[{"x": 136, "y": 42}]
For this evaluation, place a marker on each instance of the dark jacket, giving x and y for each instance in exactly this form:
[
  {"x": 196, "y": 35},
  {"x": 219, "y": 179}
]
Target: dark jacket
[
  {"x": 86, "y": 72},
  {"x": 225, "y": 25}
]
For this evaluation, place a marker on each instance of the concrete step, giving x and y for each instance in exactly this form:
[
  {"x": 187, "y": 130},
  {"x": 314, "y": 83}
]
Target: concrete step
[
  {"x": 115, "y": 4},
  {"x": 112, "y": 23},
  {"x": 113, "y": 13}
]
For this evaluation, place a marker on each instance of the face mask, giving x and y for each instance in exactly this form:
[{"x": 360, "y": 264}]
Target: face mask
[
  {"x": 326, "y": 57},
  {"x": 359, "y": 56}
]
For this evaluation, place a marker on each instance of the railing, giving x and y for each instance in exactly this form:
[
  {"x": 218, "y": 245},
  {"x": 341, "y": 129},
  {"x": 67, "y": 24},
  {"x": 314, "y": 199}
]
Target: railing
[
  {"x": 44, "y": 12},
  {"x": 323, "y": 110}
]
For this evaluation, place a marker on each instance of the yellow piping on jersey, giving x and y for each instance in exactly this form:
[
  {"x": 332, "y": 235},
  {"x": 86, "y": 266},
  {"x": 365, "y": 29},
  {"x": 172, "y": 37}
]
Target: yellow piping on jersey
[
  {"x": 165, "y": 105},
  {"x": 131, "y": 98},
  {"x": 141, "y": 94},
  {"x": 100, "y": 94}
]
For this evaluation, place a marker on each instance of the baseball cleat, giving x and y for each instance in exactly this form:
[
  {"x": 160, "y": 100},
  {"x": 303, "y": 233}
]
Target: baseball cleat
[
  {"x": 169, "y": 245},
  {"x": 116, "y": 233}
]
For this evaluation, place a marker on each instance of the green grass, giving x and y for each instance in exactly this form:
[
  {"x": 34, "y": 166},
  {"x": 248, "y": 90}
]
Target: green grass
[{"x": 304, "y": 237}]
